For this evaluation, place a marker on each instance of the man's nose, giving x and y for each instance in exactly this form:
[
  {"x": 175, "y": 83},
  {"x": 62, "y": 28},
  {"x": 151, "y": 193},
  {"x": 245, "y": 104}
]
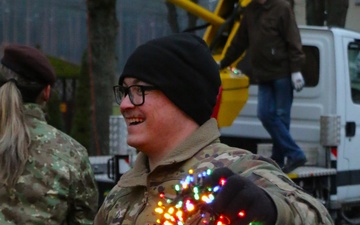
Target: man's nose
[{"x": 126, "y": 103}]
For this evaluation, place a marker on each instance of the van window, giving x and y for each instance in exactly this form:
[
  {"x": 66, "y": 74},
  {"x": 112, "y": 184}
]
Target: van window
[
  {"x": 311, "y": 68},
  {"x": 354, "y": 70}
]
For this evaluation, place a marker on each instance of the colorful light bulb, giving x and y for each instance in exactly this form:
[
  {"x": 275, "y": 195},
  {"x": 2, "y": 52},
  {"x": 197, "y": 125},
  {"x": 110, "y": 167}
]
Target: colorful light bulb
[{"x": 242, "y": 213}]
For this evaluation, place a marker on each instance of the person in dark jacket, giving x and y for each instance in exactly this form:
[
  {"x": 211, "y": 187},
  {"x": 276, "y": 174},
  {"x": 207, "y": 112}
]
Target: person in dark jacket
[{"x": 269, "y": 32}]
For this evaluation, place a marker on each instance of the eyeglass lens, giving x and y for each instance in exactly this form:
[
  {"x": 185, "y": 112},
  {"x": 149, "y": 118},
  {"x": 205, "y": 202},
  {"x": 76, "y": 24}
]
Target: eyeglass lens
[{"x": 135, "y": 92}]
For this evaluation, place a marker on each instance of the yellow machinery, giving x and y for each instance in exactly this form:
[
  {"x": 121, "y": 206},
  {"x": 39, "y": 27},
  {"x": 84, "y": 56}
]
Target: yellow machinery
[{"x": 234, "y": 90}]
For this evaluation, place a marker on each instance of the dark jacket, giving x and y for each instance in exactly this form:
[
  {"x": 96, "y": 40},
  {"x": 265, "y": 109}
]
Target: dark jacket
[{"x": 271, "y": 35}]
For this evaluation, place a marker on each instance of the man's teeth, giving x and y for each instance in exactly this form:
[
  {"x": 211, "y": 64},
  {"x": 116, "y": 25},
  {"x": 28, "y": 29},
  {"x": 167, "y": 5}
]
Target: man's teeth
[{"x": 135, "y": 121}]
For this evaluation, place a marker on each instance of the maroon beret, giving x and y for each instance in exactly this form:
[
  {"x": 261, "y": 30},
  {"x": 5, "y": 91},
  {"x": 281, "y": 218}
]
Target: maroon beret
[{"x": 29, "y": 63}]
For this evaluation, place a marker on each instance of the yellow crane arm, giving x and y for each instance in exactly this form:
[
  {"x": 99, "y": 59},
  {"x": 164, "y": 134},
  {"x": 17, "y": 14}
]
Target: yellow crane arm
[{"x": 199, "y": 11}]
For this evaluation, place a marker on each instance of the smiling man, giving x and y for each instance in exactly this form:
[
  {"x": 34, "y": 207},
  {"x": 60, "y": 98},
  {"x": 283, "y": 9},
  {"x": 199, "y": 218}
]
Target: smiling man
[{"x": 167, "y": 93}]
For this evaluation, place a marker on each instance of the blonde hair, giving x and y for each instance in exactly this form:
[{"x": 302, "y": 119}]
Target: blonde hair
[{"x": 14, "y": 133}]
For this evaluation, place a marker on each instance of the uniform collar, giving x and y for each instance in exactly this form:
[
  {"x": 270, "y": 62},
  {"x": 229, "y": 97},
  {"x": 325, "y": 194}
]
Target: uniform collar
[{"x": 34, "y": 110}]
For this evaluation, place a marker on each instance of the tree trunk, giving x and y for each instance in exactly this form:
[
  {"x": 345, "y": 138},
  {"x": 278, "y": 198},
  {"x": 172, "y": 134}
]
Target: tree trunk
[
  {"x": 102, "y": 33},
  {"x": 337, "y": 10},
  {"x": 173, "y": 18},
  {"x": 326, "y": 12},
  {"x": 192, "y": 19}
]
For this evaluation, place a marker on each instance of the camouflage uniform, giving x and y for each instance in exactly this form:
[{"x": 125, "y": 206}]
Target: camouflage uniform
[
  {"x": 134, "y": 198},
  {"x": 57, "y": 186}
]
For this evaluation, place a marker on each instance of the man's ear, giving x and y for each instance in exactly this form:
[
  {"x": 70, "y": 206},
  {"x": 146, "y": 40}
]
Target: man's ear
[{"x": 46, "y": 93}]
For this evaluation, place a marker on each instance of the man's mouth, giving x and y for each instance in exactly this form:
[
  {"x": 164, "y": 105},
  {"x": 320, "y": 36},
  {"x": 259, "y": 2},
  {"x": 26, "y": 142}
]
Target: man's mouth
[{"x": 134, "y": 121}]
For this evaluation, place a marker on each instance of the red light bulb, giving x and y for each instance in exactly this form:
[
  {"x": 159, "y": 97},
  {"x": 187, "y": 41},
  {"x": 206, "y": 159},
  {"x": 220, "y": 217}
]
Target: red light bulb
[
  {"x": 242, "y": 214},
  {"x": 222, "y": 181}
]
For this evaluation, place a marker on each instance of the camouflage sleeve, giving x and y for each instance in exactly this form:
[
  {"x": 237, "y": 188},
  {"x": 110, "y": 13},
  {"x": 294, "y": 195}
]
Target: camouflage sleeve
[
  {"x": 100, "y": 218},
  {"x": 110, "y": 213},
  {"x": 294, "y": 206},
  {"x": 84, "y": 192}
]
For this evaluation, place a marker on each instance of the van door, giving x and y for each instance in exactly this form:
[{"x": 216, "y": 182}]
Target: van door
[{"x": 349, "y": 176}]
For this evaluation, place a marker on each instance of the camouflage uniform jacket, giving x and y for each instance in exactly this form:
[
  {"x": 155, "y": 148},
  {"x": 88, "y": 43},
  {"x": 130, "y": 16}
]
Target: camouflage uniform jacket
[
  {"x": 134, "y": 198},
  {"x": 57, "y": 185}
]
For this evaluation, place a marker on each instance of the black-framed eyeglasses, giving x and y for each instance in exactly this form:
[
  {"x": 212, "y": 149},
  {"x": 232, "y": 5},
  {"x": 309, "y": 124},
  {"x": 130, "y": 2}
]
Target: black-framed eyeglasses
[{"x": 136, "y": 93}]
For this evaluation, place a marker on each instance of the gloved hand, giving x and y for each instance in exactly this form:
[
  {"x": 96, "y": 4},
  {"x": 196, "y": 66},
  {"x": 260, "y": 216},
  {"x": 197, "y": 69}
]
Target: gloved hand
[
  {"x": 240, "y": 195},
  {"x": 297, "y": 80}
]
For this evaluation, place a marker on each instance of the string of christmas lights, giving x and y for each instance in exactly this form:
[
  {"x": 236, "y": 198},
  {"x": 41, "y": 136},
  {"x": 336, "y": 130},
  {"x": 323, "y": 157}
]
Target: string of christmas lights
[{"x": 193, "y": 197}]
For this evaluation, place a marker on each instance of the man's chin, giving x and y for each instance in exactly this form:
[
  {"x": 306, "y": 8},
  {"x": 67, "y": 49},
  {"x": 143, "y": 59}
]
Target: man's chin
[{"x": 134, "y": 142}]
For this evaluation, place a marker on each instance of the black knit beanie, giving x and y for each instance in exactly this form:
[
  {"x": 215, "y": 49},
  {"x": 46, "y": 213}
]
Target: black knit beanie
[{"x": 182, "y": 67}]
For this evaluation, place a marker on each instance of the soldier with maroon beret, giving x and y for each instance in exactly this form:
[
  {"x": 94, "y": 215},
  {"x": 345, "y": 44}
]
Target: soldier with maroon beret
[{"x": 45, "y": 175}]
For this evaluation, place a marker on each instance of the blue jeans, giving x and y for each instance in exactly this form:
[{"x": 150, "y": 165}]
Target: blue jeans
[{"x": 274, "y": 108}]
